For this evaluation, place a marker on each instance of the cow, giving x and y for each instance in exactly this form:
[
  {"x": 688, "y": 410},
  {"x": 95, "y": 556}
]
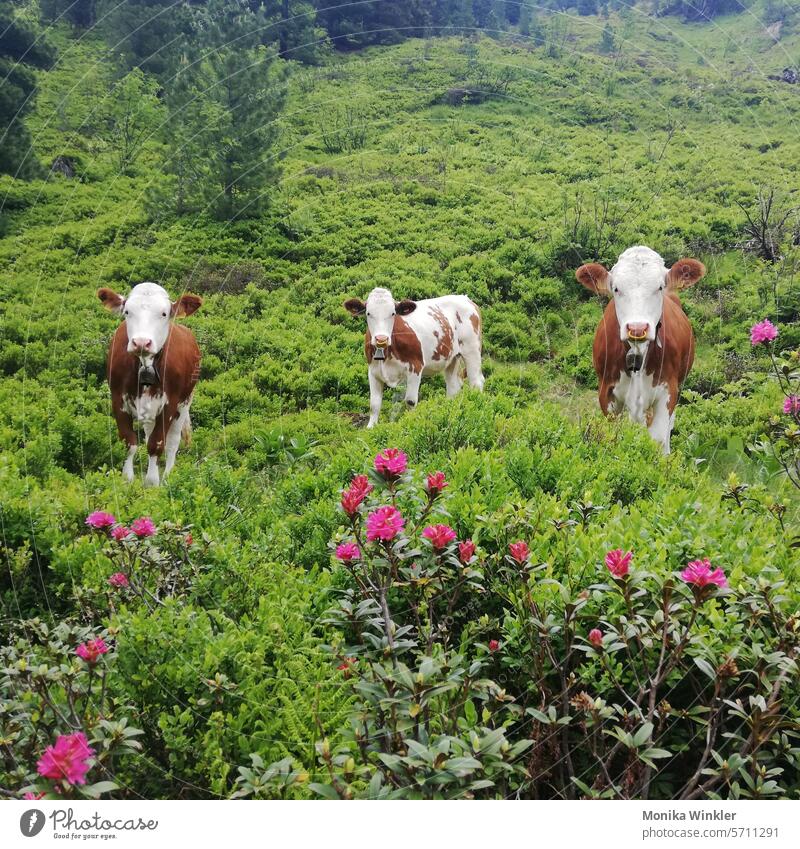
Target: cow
[
  {"x": 406, "y": 340},
  {"x": 644, "y": 345},
  {"x": 153, "y": 367}
]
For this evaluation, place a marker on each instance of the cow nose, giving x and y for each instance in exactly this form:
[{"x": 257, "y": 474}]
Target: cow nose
[
  {"x": 637, "y": 330},
  {"x": 140, "y": 344},
  {"x": 381, "y": 341}
]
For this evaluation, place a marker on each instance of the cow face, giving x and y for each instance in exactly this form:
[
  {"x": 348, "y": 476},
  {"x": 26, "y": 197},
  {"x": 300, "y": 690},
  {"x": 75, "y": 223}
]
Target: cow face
[
  {"x": 638, "y": 283},
  {"x": 147, "y": 312},
  {"x": 381, "y": 309}
]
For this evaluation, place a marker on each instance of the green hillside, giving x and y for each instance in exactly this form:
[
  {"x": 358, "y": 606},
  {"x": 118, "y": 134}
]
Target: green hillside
[{"x": 491, "y": 167}]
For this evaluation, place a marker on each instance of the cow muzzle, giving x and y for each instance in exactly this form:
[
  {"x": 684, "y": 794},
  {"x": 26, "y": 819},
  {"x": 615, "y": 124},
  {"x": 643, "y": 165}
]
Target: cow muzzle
[
  {"x": 637, "y": 332},
  {"x": 381, "y": 341}
]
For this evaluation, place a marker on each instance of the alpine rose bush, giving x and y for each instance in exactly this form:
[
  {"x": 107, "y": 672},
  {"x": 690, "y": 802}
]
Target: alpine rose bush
[{"x": 512, "y": 672}]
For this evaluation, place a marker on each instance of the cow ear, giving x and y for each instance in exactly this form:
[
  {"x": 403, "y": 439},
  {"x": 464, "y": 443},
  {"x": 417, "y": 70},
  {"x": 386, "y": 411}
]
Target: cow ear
[
  {"x": 685, "y": 273},
  {"x": 111, "y": 300},
  {"x": 405, "y": 306},
  {"x": 594, "y": 277},
  {"x": 355, "y": 306},
  {"x": 186, "y": 305}
]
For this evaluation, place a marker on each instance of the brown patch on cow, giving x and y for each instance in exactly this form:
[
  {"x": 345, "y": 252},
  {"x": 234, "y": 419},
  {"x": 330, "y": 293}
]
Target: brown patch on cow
[
  {"x": 405, "y": 347},
  {"x": 178, "y": 366},
  {"x": 594, "y": 277},
  {"x": 685, "y": 273},
  {"x": 444, "y": 344},
  {"x": 475, "y": 321},
  {"x": 668, "y": 362}
]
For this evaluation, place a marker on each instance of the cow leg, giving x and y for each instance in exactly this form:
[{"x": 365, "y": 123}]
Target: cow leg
[
  {"x": 472, "y": 360},
  {"x": 452, "y": 377},
  {"x": 661, "y": 424},
  {"x": 375, "y": 399},
  {"x": 412, "y": 389},
  {"x": 128, "y": 434},
  {"x": 174, "y": 437},
  {"x": 156, "y": 441}
]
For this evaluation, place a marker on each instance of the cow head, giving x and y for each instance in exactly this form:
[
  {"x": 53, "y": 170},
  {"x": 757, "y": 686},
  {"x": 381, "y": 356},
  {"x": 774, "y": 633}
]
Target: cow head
[
  {"x": 380, "y": 309},
  {"x": 637, "y": 283},
  {"x": 147, "y": 312}
]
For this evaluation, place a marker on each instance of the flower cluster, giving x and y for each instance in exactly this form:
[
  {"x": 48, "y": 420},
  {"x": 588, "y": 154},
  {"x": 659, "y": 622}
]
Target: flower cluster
[
  {"x": 763, "y": 331},
  {"x": 99, "y": 520},
  {"x": 702, "y": 574},
  {"x": 68, "y": 760},
  {"x": 91, "y": 650},
  {"x": 618, "y": 562},
  {"x": 391, "y": 463},
  {"x": 352, "y": 497}
]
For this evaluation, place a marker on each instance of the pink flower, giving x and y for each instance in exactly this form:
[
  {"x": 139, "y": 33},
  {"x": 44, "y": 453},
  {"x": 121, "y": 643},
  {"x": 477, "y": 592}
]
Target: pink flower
[
  {"x": 466, "y": 550},
  {"x": 188, "y": 540},
  {"x": 143, "y": 527},
  {"x": 68, "y": 759},
  {"x": 385, "y": 523},
  {"x": 519, "y": 551},
  {"x": 91, "y": 650},
  {"x": 618, "y": 562},
  {"x": 99, "y": 520},
  {"x": 764, "y": 331},
  {"x": 701, "y": 574},
  {"x": 494, "y": 645},
  {"x": 119, "y": 533},
  {"x": 347, "y": 552},
  {"x": 791, "y": 405},
  {"x": 351, "y": 501},
  {"x": 596, "y": 637},
  {"x": 360, "y": 483},
  {"x": 391, "y": 463},
  {"x": 346, "y": 666},
  {"x": 439, "y": 535},
  {"x": 119, "y": 580},
  {"x": 436, "y": 483},
  {"x": 34, "y": 796}
]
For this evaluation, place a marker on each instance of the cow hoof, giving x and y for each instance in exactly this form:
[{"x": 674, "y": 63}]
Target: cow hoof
[
  {"x": 410, "y": 404},
  {"x": 148, "y": 481}
]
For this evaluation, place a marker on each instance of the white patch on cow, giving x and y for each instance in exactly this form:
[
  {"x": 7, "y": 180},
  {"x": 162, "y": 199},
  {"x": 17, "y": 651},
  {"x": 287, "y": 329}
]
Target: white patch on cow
[
  {"x": 174, "y": 435},
  {"x": 147, "y": 313},
  {"x": 145, "y": 408},
  {"x": 127, "y": 466},
  {"x": 637, "y": 284},
  {"x": 644, "y": 399}
]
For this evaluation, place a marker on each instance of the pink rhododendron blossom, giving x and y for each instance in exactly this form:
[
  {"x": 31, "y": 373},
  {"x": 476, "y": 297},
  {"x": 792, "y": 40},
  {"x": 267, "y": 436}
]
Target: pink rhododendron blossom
[
  {"x": 764, "y": 331},
  {"x": 347, "y": 552},
  {"x": 360, "y": 483},
  {"x": 519, "y": 551},
  {"x": 596, "y": 637},
  {"x": 618, "y": 562},
  {"x": 143, "y": 527},
  {"x": 436, "y": 483},
  {"x": 439, "y": 535},
  {"x": 68, "y": 759},
  {"x": 385, "y": 523},
  {"x": 351, "y": 501},
  {"x": 119, "y": 580},
  {"x": 99, "y": 520},
  {"x": 91, "y": 650},
  {"x": 188, "y": 540},
  {"x": 466, "y": 550},
  {"x": 702, "y": 574},
  {"x": 391, "y": 463},
  {"x": 120, "y": 532},
  {"x": 791, "y": 405},
  {"x": 33, "y": 796},
  {"x": 494, "y": 645}
]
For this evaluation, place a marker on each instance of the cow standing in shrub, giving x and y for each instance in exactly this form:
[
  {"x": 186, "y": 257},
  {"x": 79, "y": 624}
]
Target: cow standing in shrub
[
  {"x": 408, "y": 339},
  {"x": 153, "y": 366},
  {"x": 644, "y": 345}
]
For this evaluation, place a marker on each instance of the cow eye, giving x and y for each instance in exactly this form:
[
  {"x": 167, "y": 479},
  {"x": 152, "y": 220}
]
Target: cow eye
[{"x": 164, "y": 314}]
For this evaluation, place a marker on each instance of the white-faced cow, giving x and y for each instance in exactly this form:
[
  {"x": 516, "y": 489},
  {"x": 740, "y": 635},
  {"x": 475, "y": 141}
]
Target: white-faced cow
[
  {"x": 644, "y": 346},
  {"x": 408, "y": 339},
  {"x": 153, "y": 366}
]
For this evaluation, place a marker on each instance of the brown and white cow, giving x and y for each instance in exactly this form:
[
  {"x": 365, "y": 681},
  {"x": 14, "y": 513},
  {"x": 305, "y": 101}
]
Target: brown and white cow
[
  {"x": 644, "y": 345},
  {"x": 408, "y": 339},
  {"x": 153, "y": 366}
]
